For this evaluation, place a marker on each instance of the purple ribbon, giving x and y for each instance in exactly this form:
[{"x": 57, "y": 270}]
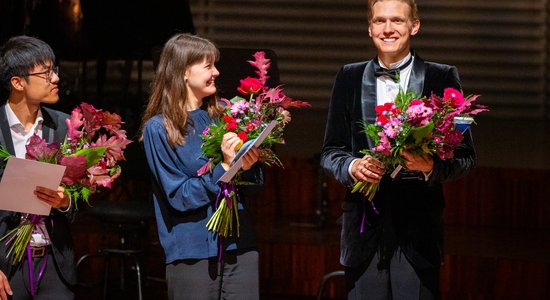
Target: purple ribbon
[
  {"x": 225, "y": 190},
  {"x": 35, "y": 220},
  {"x": 364, "y": 218}
]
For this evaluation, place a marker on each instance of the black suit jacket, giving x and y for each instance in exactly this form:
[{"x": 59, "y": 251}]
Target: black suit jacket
[
  {"x": 410, "y": 211},
  {"x": 54, "y": 128}
]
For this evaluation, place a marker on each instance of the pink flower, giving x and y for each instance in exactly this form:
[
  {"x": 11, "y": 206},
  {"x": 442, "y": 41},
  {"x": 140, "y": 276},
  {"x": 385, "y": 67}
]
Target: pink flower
[
  {"x": 206, "y": 130},
  {"x": 239, "y": 107},
  {"x": 74, "y": 124},
  {"x": 455, "y": 97},
  {"x": 261, "y": 64},
  {"x": 384, "y": 145},
  {"x": 418, "y": 114},
  {"x": 393, "y": 127}
]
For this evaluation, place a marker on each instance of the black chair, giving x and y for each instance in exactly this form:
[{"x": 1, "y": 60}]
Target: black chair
[
  {"x": 326, "y": 278},
  {"x": 129, "y": 220}
]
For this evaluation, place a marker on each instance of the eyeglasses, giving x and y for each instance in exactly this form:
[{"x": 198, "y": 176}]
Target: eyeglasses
[{"x": 48, "y": 73}]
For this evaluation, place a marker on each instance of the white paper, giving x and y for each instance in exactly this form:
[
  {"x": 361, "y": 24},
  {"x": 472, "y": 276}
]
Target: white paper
[
  {"x": 20, "y": 179},
  {"x": 237, "y": 163}
]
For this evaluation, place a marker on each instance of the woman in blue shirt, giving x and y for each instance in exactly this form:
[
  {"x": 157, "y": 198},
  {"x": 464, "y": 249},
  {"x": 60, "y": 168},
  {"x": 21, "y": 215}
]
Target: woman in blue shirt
[{"x": 181, "y": 106}]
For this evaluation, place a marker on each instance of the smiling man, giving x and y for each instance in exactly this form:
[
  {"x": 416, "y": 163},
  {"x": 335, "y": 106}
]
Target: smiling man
[
  {"x": 47, "y": 271},
  {"x": 398, "y": 253}
]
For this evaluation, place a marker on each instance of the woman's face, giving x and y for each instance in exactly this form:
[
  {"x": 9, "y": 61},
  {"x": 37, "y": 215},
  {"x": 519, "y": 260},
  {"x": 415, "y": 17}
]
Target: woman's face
[{"x": 200, "y": 79}]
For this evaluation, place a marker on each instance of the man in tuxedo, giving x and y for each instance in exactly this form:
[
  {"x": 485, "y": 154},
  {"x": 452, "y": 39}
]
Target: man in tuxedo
[
  {"x": 28, "y": 72},
  {"x": 397, "y": 252}
]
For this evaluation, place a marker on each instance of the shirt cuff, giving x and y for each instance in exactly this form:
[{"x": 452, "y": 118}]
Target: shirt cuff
[
  {"x": 68, "y": 207},
  {"x": 349, "y": 170},
  {"x": 427, "y": 175}
]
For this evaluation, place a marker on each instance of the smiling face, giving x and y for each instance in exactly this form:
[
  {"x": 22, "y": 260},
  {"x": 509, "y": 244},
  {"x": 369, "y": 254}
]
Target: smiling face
[
  {"x": 391, "y": 28},
  {"x": 200, "y": 81}
]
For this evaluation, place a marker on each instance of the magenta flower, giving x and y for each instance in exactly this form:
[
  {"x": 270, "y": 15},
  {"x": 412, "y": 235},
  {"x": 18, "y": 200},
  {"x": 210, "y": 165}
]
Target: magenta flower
[
  {"x": 75, "y": 168},
  {"x": 455, "y": 97},
  {"x": 38, "y": 149}
]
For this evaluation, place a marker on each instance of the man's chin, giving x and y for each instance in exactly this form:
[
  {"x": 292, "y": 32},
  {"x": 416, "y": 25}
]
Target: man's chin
[{"x": 51, "y": 100}]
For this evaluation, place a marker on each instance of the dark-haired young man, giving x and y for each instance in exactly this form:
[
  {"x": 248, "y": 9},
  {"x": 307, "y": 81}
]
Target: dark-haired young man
[{"x": 28, "y": 72}]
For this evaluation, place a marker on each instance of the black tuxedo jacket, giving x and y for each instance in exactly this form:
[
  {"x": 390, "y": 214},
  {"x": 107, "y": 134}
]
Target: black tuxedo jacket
[
  {"x": 54, "y": 128},
  {"x": 410, "y": 212}
]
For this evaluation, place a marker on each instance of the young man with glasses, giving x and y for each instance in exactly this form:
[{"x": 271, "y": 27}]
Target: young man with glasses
[{"x": 29, "y": 74}]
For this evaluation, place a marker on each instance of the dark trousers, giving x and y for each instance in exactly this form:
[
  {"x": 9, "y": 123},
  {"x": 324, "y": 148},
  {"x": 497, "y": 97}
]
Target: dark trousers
[
  {"x": 399, "y": 282},
  {"x": 235, "y": 277},
  {"x": 50, "y": 286}
]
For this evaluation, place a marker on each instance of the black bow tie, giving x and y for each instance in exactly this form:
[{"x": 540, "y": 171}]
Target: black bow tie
[{"x": 392, "y": 73}]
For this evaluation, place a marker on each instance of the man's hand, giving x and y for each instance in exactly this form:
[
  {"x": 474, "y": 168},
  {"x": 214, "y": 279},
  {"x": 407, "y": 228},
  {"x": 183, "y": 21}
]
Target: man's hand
[
  {"x": 5, "y": 288},
  {"x": 423, "y": 163},
  {"x": 368, "y": 169},
  {"x": 56, "y": 199}
]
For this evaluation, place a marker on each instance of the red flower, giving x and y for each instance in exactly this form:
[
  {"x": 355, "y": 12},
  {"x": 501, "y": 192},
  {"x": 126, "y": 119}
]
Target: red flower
[
  {"x": 250, "y": 85},
  {"x": 243, "y": 136},
  {"x": 228, "y": 119},
  {"x": 231, "y": 126}
]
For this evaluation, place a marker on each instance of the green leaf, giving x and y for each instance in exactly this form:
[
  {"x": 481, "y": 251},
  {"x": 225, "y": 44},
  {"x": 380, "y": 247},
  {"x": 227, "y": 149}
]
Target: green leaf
[
  {"x": 418, "y": 134},
  {"x": 93, "y": 155}
]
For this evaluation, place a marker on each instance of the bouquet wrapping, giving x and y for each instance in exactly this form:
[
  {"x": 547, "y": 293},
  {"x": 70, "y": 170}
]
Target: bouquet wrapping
[
  {"x": 432, "y": 125},
  {"x": 92, "y": 148},
  {"x": 247, "y": 115}
]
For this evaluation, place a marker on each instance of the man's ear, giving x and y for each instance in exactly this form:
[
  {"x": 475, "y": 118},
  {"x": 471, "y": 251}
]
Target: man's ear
[
  {"x": 17, "y": 83},
  {"x": 415, "y": 27}
]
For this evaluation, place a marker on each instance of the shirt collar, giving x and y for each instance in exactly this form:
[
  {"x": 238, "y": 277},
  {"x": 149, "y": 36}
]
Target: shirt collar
[
  {"x": 397, "y": 64},
  {"x": 13, "y": 120}
]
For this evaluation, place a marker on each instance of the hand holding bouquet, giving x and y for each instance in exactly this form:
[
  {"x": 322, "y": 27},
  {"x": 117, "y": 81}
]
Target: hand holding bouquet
[
  {"x": 420, "y": 126},
  {"x": 247, "y": 116},
  {"x": 91, "y": 150}
]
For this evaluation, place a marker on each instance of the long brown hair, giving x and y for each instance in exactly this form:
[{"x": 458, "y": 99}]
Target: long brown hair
[{"x": 169, "y": 94}]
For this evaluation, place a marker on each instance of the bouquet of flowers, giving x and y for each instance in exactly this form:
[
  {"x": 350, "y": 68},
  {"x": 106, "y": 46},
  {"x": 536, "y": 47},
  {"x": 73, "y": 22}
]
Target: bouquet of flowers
[
  {"x": 91, "y": 150},
  {"x": 431, "y": 125},
  {"x": 247, "y": 115}
]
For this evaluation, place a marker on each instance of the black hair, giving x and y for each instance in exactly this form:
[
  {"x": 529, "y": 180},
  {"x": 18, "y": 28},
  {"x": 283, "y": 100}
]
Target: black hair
[{"x": 20, "y": 54}]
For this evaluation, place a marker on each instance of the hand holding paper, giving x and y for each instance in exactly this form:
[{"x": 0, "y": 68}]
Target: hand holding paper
[
  {"x": 20, "y": 179},
  {"x": 237, "y": 163}
]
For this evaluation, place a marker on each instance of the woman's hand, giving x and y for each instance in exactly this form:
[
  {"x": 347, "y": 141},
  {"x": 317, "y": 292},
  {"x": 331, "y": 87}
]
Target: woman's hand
[
  {"x": 56, "y": 199},
  {"x": 368, "y": 169},
  {"x": 230, "y": 141},
  {"x": 250, "y": 158}
]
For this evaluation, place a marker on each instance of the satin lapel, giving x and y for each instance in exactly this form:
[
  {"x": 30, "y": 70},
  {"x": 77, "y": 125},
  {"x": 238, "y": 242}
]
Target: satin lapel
[
  {"x": 368, "y": 93},
  {"x": 368, "y": 96},
  {"x": 5, "y": 133},
  {"x": 418, "y": 72},
  {"x": 47, "y": 124}
]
